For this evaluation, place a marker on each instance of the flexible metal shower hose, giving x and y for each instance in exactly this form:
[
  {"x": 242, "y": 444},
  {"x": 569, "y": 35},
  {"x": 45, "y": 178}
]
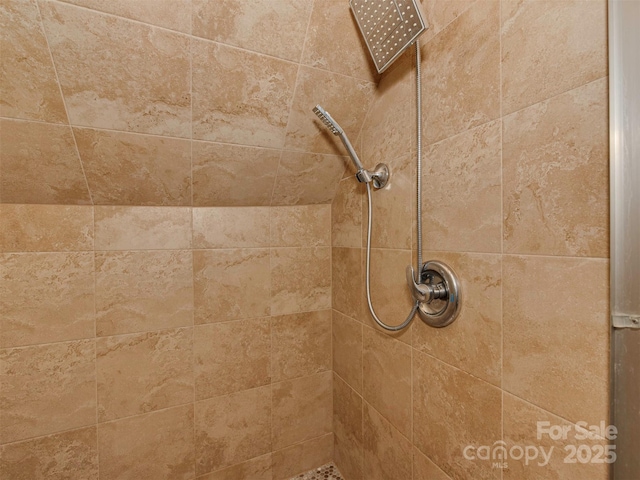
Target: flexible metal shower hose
[{"x": 395, "y": 328}]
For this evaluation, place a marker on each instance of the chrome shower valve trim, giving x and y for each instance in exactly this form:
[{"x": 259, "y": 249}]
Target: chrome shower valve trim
[{"x": 437, "y": 293}]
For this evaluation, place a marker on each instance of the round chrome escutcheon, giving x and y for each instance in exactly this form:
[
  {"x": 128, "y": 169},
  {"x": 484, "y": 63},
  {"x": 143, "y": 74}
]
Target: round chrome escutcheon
[{"x": 440, "y": 312}]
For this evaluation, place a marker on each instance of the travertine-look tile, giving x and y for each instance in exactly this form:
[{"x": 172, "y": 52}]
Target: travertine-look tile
[
  {"x": 347, "y": 53},
  {"x": 141, "y": 291},
  {"x": 258, "y": 468},
  {"x": 239, "y": 96},
  {"x": 305, "y": 178},
  {"x": 40, "y": 164},
  {"x": 158, "y": 445},
  {"x": 119, "y": 74},
  {"x": 423, "y": 468},
  {"x": 231, "y": 175},
  {"x": 28, "y": 85},
  {"x": 300, "y": 279},
  {"x": 132, "y": 169},
  {"x": 452, "y": 409},
  {"x": 390, "y": 126},
  {"x": 347, "y": 349},
  {"x": 521, "y": 420},
  {"x": 276, "y": 28},
  {"x": 144, "y": 372},
  {"x": 47, "y": 388},
  {"x": 301, "y": 344},
  {"x": 171, "y": 14},
  {"x": 473, "y": 342},
  {"x": 231, "y": 356},
  {"x": 462, "y": 73},
  {"x": 392, "y": 208},
  {"x": 67, "y": 455},
  {"x": 231, "y": 284},
  {"x": 387, "y": 453},
  {"x": 555, "y": 346},
  {"x": 302, "y": 409},
  {"x": 302, "y": 457},
  {"x": 462, "y": 198},
  {"x": 387, "y": 378},
  {"x": 556, "y": 165},
  {"x": 347, "y": 429},
  {"x": 142, "y": 228},
  {"x": 549, "y": 47},
  {"x": 346, "y": 217},
  {"x": 45, "y": 298},
  {"x": 232, "y": 429},
  {"x": 346, "y": 98},
  {"x": 347, "y": 289},
  {"x": 439, "y": 13},
  {"x": 301, "y": 226},
  {"x": 231, "y": 227},
  {"x": 45, "y": 228}
]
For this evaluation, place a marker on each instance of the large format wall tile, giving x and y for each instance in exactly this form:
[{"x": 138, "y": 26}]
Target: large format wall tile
[
  {"x": 347, "y": 429},
  {"x": 461, "y": 84},
  {"x": 452, "y": 409},
  {"x": 119, "y": 74},
  {"x": 171, "y": 14},
  {"x": 556, "y": 162},
  {"x": 28, "y": 85},
  {"x": 142, "y": 228},
  {"x": 276, "y": 28},
  {"x": 132, "y": 169},
  {"x": 347, "y": 349},
  {"x": 440, "y": 13},
  {"x": 301, "y": 226},
  {"x": 231, "y": 356},
  {"x": 346, "y": 98},
  {"x": 302, "y": 457},
  {"x": 300, "y": 279},
  {"x": 141, "y": 291},
  {"x": 549, "y": 47},
  {"x": 231, "y": 284},
  {"x": 258, "y": 468},
  {"x": 40, "y": 164},
  {"x": 305, "y": 178},
  {"x": 46, "y": 298},
  {"x": 144, "y": 372},
  {"x": 423, "y": 468},
  {"x": 158, "y": 445},
  {"x": 301, "y": 344},
  {"x": 523, "y": 426},
  {"x": 72, "y": 454},
  {"x": 45, "y": 228},
  {"x": 462, "y": 198},
  {"x": 387, "y": 453},
  {"x": 473, "y": 342},
  {"x": 387, "y": 378},
  {"x": 232, "y": 429},
  {"x": 233, "y": 175},
  {"x": 346, "y": 214},
  {"x": 231, "y": 227},
  {"x": 47, "y": 388},
  {"x": 232, "y": 101},
  {"x": 556, "y": 346},
  {"x": 302, "y": 409},
  {"x": 334, "y": 42},
  {"x": 347, "y": 289}
]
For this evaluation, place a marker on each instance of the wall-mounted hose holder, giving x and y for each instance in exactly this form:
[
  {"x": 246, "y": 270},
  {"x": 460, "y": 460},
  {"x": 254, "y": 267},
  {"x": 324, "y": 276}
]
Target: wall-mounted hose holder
[{"x": 437, "y": 293}]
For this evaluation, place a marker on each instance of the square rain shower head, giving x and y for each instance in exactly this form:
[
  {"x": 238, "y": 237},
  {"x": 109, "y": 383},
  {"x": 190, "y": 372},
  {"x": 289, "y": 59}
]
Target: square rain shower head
[{"x": 389, "y": 27}]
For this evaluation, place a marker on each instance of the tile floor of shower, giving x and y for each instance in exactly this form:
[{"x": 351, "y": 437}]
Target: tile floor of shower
[{"x": 325, "y": 472}]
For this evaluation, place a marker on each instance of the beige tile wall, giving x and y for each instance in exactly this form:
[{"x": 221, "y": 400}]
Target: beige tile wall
[
  {"x": 177, "y": 102},
  {"x": 164, "y": 342},
  {"x": 515, "y": 199}
]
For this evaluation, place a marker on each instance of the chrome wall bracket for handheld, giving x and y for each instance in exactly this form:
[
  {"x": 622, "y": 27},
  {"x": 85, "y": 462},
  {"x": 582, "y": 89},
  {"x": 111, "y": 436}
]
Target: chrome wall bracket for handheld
[
  {"x": 379, "y": 176},
  {"x": 437, "y": 293}
]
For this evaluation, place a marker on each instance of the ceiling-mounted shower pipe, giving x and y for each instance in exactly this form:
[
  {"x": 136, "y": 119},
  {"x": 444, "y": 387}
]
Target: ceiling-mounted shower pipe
[{"x": 379, "y": 176}]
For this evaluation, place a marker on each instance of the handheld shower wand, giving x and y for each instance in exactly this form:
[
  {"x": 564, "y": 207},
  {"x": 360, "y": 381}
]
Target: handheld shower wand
[{"x": 379, "y": 177}]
